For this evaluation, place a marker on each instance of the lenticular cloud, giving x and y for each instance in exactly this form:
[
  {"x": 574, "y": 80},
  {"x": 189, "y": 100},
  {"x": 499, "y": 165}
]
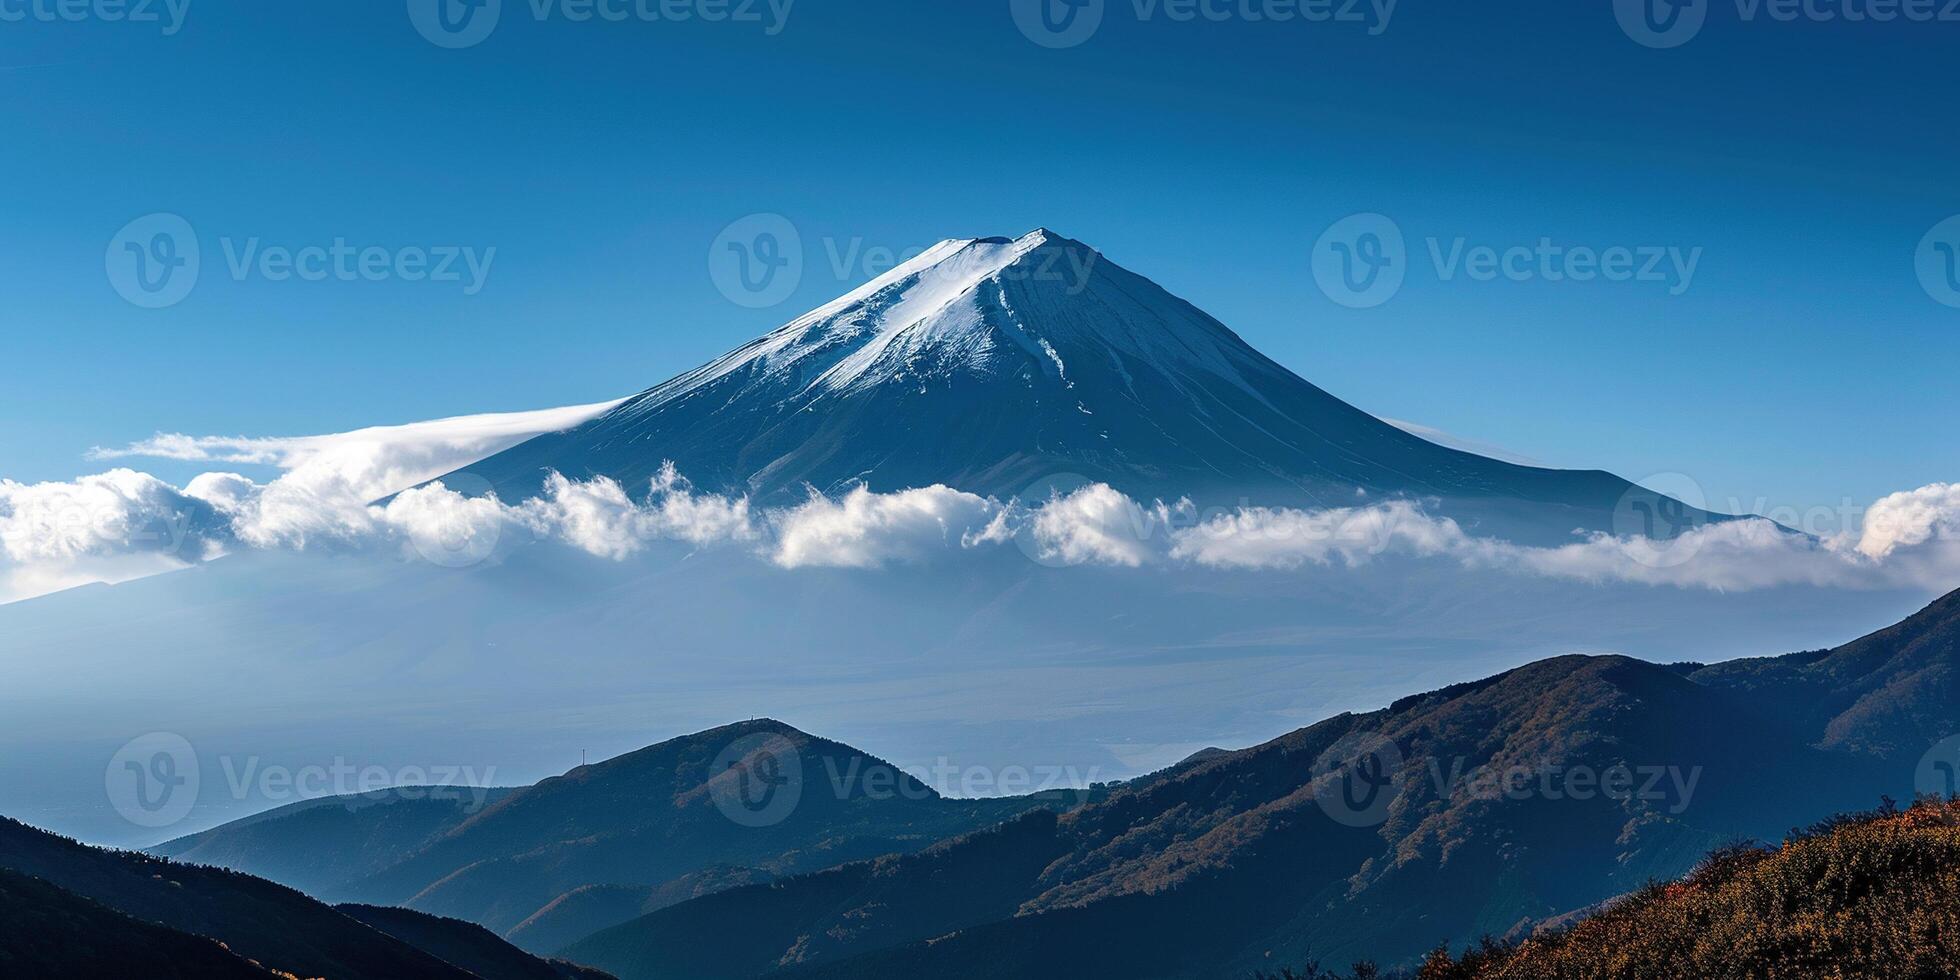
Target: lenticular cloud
[{"x": 123, "y": 524}]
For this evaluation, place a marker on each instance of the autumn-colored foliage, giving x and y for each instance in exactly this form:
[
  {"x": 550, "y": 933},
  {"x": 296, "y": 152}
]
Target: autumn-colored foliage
[{"x": 1876, "y": 895}]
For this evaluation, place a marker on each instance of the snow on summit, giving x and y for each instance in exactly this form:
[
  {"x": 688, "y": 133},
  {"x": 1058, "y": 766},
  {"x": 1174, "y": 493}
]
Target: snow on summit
[{"x": 945, "y": 309}]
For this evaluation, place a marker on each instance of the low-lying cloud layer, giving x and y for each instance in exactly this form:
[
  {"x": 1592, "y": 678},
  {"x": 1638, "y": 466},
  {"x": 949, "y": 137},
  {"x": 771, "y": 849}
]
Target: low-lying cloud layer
[{"x": 123, "y": 524}]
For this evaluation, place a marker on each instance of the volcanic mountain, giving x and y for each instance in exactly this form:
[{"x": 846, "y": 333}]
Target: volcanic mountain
[{"x": 1004, "y": 366}]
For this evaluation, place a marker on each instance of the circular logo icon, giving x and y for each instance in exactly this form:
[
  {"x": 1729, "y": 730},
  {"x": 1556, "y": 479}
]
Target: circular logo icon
[
  {"x": 1661, "y": 23},
  {"x": 757, "y": 262},
  {"x": 1360, "y": 261},
  {"x": 1654, "y": 517},
  {"x": 455, "y": 23},
  {"x": 1358, "y": 778},
  {"x": 459, "y": 533},
  {"x": 1037, "y": 535},
  {"x": 1937, "y": 261},
  {"x": 1057, "y": 23},
  {"x": 757, "y": 781},
  {"x": 153, "y": 780},
  {"x": 1938, "y": 774},
  {"x": 153, "y": 261}
]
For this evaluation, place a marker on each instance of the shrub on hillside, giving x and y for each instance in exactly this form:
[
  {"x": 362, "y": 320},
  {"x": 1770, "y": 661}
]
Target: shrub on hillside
[{"x": 1872, "y": 895}]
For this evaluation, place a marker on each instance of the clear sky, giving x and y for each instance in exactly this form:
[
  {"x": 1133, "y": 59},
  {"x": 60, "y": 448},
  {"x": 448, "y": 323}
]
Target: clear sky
[{"x": 1801, "y": 162}]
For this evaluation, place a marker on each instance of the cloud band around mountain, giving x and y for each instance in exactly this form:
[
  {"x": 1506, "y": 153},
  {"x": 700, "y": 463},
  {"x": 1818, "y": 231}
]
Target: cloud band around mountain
[{"x": 124, "y": 524}]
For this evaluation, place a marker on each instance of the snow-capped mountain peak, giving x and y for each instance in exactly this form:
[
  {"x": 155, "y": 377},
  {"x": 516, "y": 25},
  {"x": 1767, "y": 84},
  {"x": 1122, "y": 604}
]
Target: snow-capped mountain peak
[
  {"x": 935, "y": 303},
  {"x": 996, "y": 364},
  {"x": 976, "y": 305}
]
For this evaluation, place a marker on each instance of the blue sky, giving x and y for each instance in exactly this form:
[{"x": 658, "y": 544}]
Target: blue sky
[{"x": 1803, "y": 364}]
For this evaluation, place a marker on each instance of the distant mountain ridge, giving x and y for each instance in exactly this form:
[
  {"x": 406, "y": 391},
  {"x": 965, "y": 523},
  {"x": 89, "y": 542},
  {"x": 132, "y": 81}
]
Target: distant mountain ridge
[
  {"x": 465, "y": 945},
  {"x": 349, "y": 837},
  {"x": 1000, "y": 366},
  {"x": 1230, "y": 863},
  {"x": 546, "y": 864},
  {"x": 1890, "y": 692}
]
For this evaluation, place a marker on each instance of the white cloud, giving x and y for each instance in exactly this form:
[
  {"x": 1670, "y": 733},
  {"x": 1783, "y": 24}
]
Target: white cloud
[
  {"x": 123, "y": 524},
  {"x": 1096, "y": 525},
  {"x": 1261, "y": 537},
  {"x": 1738, "y": 555},
  {"x": 444, "y": 526},
  {"x": 330, "y": 479},
  {"x": 596, "y": 516},
  {"x": 599, "y": 517},
  {"x": 109, "y": 527},
  {"x": 308, "y": 507},
  {"x": 866, "y": 530},
  {"x": 109, "y": 514},
  {"x": 1911, "y": 519},
  {"x": 375, "y": 461},
  {"x": 61, "y": 534}
]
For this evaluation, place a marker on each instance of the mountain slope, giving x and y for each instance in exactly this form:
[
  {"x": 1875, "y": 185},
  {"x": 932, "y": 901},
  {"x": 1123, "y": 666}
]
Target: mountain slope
[
  {"x": 1870, "y": 896},
  {"x": 1241, "y": 852},
  {"x": 465, "y": 945},
  {"x": 319, "y": 846},
  {"x": 47, "y": 932},
  {"x": 1501, "y": 818},
  {"x": 1227, "y": 862},
  {"x": 967, "y": 882},
  {"x": 1889, "y": 694},
  {"x": 583, "y": 911},
  {"x": 257, "y": 920},
  {"x": 557, "y": 861},
  {"x": 992, "y": 365}
]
